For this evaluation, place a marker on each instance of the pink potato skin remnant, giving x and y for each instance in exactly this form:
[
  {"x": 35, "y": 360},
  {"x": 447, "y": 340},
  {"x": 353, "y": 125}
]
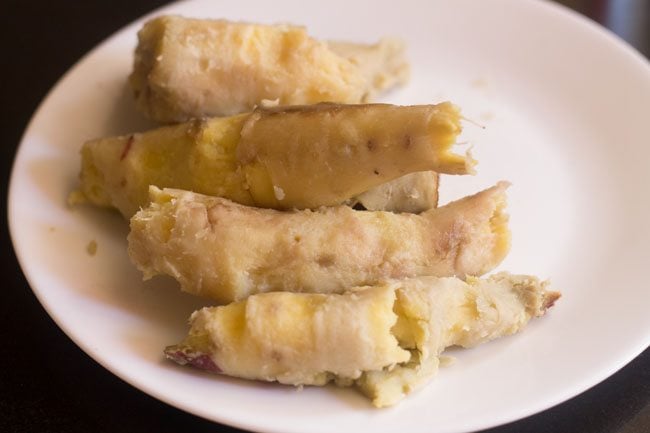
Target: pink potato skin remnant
[{"x": 197, "y": 360}]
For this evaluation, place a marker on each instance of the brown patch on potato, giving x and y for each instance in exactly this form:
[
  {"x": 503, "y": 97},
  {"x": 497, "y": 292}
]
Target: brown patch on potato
[
  {"x": 91, "y": 248},
  {"x": 326, "y": 260},
  {"x": 276, "y": 356},
  {"x": 127, "y": 147}
]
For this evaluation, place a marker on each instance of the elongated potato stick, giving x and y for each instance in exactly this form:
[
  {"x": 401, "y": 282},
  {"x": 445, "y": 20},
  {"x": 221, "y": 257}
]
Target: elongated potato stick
[
  {"x": 295, "y": 157},
  {"x": 186, "y": 68},
  {"x": 386, "y": 339},
  {"x": 226, "y": 251}
]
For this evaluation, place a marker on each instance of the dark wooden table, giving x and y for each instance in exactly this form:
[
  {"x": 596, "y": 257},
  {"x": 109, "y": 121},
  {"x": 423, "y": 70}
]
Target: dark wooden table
[{"x": 48, "y": 384}]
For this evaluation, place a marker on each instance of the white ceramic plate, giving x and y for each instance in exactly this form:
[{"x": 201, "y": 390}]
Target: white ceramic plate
[{"x": 566, "y": 107}]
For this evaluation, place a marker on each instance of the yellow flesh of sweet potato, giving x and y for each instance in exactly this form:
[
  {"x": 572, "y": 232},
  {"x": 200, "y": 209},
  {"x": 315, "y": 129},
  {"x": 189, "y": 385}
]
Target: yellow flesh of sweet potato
[
  {"x": 298, "y": 157},
  {"x": 385, "y": 338}
]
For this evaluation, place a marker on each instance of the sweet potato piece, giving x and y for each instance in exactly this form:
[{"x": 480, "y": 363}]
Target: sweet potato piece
[
  {"x": 186, "y": 68},
  {"x": 298, "y": 157},
  {"x": 226, "y": 251},
  {"x": 386, "y": 339}
]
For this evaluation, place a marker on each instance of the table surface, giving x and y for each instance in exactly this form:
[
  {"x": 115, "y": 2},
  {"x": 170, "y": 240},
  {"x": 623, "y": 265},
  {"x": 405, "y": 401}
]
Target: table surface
[{"x": 48, "y": 384}]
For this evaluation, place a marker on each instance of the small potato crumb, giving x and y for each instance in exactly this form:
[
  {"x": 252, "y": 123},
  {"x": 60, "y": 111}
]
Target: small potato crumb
[
  {"x": 278, "y": 192},
  {"x": 91, "y": 248},
  {"x": 479, "y": 83}
]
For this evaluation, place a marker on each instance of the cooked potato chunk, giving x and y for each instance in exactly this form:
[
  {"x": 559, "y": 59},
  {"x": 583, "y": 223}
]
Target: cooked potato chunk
[
  {"x": 413, "y": 192},
  {"x": 298, "y": 157},
  {"x": 385, "y": 338},
  {"x": 186, "y": 68},
  {"x": 226, "y": 251}
]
